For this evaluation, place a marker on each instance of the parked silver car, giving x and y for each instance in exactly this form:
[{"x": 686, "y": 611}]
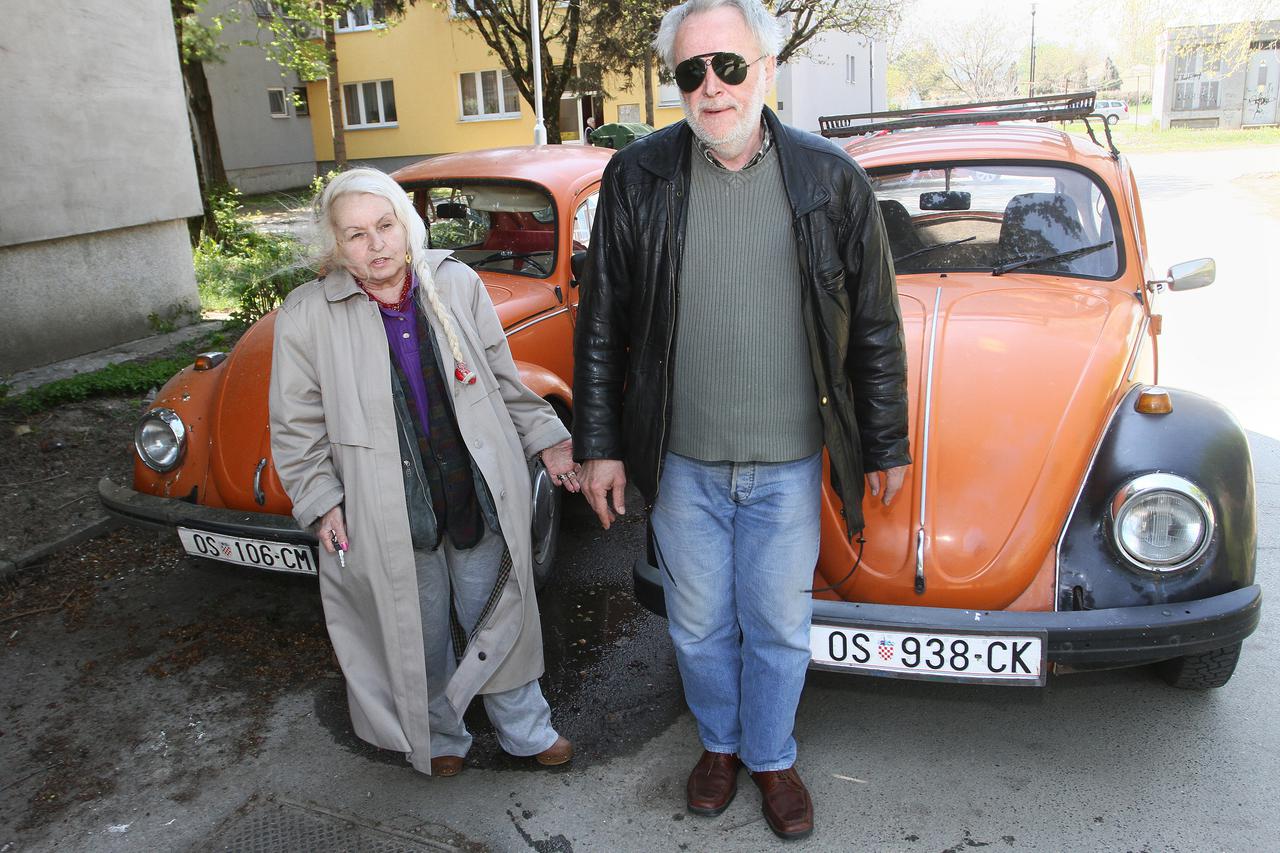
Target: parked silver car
[{"x": 1111, "y": 111}]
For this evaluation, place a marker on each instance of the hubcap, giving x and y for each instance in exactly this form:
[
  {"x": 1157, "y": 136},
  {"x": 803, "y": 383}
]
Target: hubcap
[{"x": 544, "y": 514}]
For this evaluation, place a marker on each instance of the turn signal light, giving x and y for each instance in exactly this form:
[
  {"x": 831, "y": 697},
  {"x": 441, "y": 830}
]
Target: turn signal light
[
  {"x": 209, "y": 360},
  {"x": 1154, "y": 401}
]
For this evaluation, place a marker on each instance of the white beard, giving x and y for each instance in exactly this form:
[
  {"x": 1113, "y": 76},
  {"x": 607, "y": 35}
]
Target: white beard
[{"x": 733, "y": 142}]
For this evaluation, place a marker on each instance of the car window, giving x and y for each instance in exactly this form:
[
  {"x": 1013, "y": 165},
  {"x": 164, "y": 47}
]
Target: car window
[
  {"x": 492, "y": 225},
  {"x": 583, "y": 220},
  {"x": 982, "y": 216}
]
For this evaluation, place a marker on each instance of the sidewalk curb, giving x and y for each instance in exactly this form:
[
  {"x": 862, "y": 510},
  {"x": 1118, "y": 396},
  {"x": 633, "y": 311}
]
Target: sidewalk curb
[{"x": 10, "y": 568}]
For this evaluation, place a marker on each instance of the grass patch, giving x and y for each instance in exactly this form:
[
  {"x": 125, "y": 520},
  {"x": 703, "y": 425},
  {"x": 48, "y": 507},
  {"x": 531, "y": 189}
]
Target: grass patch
[
  {"x": 112, "y": 380},
  {"x": 1150, "y": 138}
]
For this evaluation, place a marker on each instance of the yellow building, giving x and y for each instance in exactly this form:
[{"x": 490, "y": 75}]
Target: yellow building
[{"x": 430, "y": 85}]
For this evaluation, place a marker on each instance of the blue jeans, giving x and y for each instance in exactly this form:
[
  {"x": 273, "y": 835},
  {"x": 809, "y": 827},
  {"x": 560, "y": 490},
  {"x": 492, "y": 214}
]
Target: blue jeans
[{"x": 740, "y": 542}]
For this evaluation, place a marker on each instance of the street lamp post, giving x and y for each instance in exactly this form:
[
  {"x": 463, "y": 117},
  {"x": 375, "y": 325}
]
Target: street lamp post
[
  {"x": 539, "y": 128},
  {"x": 1031, "y": 85}
]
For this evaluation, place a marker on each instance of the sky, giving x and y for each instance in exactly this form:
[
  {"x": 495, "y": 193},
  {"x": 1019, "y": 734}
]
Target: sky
[{"x": 1083, "y": 23}]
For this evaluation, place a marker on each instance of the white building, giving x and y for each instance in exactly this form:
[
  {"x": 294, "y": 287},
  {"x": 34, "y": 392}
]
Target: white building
[
  {"x": 98, "y": 177},
  {"x": 1218, "y": 76},
  {"x": 842, "y": 74}
]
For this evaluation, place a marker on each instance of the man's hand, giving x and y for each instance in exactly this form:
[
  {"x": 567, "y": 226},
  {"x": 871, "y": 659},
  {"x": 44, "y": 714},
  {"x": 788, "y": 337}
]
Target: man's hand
[
  {"x": 603, "y": 482},
  {"x": 876, "y": 481}
]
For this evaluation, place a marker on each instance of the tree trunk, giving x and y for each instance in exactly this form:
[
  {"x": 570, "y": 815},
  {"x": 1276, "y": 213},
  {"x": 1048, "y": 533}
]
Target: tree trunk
[
  {"x": 335, "y": 100},
  {"x": 648, "y": 89},
  {"x": 210, "y": 171}
]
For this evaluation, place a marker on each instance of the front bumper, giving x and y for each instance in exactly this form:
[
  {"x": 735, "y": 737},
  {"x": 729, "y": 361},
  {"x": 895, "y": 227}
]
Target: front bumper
[
  {"x": 1120, "y": 636},
  {"x": 169, "y": 513}
]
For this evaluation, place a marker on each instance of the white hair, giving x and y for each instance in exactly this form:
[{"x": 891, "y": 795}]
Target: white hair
[
  {"x": 375, "y": 182},
  {"x": 762, "y": 23}
]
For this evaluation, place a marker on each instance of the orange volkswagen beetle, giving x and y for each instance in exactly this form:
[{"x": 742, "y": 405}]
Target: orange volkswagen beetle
[
  {"x": 1063, "y": 510},
  {"x": 203, "y": 463}
]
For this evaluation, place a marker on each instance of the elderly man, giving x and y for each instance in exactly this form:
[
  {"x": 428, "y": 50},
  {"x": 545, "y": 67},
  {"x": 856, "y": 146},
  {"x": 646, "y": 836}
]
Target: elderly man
[{"x": 738, "y": 314}]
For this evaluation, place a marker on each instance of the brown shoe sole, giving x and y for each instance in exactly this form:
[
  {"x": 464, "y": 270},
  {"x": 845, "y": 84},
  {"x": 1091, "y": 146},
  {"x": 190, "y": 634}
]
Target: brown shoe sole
[
  {"x": 551, "y": 757},
  {"x": 788, "y": 836}
]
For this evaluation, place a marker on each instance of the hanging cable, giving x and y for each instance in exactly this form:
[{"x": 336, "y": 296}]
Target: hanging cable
[{"x": 845, "y": 579}]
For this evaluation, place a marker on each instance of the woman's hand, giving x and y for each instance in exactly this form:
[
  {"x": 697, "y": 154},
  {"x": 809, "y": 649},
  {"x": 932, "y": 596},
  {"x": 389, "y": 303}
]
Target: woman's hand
[
  {"x": 560, "y": 465},
  {"x": 332, "y": 521}
]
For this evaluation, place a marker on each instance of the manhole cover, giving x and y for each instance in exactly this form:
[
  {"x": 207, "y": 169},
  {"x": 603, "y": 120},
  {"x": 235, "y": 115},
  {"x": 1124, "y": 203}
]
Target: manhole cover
[{"x": 276, "y": 826}]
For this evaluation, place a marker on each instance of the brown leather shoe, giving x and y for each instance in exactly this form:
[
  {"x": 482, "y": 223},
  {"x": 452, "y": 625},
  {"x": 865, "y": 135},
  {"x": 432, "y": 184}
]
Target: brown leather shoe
[
  {"x": 712, "y": 783},
  {"x": 446, "y": 765},
  {"x": 785, "y": 802},
  {"x": 558, "y": 753}
]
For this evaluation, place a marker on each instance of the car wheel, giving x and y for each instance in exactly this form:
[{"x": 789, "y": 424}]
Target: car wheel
[
  {"x": 1203, "y": 671},
  {"x": 1112, "y": 119},
  {"x": 546, "y": 523}
]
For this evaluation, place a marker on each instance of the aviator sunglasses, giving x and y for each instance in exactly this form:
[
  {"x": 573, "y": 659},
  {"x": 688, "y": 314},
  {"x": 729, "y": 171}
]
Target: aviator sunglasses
[{"x": 729, "y": 67}]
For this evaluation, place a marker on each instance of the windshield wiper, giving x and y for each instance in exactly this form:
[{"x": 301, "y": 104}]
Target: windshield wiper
[
  {"x": 1001, "y": 269},
  {"x": 934, "y": 246},
  {"x": 506, "y": 255}
]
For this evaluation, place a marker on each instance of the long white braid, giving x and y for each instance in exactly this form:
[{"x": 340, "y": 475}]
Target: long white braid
[{"x": 428, "y": 283}]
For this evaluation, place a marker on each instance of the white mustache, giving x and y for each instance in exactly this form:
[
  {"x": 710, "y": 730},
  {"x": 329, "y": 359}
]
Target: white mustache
[{"x": 727, "y": 105}]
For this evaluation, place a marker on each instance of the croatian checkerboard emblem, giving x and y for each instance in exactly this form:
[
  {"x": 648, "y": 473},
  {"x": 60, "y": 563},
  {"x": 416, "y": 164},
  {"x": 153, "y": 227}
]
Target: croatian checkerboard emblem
[
  {"x": 226, "y": 549},
  {"x": 885, "y": 648}
]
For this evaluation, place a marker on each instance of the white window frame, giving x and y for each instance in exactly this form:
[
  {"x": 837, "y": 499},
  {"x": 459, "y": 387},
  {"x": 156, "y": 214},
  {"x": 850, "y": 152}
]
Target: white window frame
[
  {"x": 345, "y": 22},
  {"x": 284, "y": 102},
  {"x": 455, "y": 12},
  {"x": 850, "y": 69},
  {"x": 501, "y": 115},
  {"x": 346, "y": 119},
  {"x": 669, "y": 94}
]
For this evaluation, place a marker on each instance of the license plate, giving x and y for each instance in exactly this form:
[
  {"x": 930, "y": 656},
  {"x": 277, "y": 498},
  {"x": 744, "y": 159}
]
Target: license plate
[
  {"x": 276, "y": 556},
  {"x": 981, "y": 658}
]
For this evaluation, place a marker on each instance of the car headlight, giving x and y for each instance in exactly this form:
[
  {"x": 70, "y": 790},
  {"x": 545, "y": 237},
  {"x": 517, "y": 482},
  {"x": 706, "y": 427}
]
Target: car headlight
[
  {"x": 1161, "y": 522},
  {"x": 160, "y": 439}
]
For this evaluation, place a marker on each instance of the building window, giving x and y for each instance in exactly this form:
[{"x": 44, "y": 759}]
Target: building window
[
  {"x": 1209, "y": 95},
  {"x": 458, "y": 8},
  {"x": 301, "y": 106},
  {"x": 668, "y": 94},
  {"x": 360, "y": 18},
  {"x": 370, "y": 104},
  {"x": 489, "y": 94},
  {"x": 276, "y": 103},
  {"x": 850, "y": 69}
]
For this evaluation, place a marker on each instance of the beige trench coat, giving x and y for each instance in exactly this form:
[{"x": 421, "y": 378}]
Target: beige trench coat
[{"x": 333, "y": 440}]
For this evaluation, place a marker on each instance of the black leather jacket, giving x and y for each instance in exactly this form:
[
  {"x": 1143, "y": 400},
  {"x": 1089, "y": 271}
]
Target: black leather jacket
[{"x": 625, "y": 343}]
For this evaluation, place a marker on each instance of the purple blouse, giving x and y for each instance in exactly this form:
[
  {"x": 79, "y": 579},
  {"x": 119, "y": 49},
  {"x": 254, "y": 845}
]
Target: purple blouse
[{"x": 402, "y": 338}]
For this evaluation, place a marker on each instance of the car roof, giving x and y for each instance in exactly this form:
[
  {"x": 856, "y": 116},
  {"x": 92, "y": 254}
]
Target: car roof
[
  {"x": 559, "y": 168},
  {"x": 1021, "y": 141}
]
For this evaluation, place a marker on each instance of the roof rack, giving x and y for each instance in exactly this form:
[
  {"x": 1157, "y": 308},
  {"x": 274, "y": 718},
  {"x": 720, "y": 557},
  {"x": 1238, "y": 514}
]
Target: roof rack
[{"x": 1042, "y": 108}]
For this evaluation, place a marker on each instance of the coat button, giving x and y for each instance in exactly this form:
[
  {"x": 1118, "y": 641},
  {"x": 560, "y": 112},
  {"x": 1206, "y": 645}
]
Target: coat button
[
  {"x": 502, "y": 494},
  {"x": 824, "y": 401},
  {"x": 406, "y": 463},
  {"x": 482, "y": 656},
  {"x": 405, "y": 335},
  {"x": 479, "y": 442}
]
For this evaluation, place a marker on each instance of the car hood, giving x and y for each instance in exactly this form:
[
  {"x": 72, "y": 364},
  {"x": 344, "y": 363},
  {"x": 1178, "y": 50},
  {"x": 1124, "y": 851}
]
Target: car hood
[{"x": 1025, "y": 373}]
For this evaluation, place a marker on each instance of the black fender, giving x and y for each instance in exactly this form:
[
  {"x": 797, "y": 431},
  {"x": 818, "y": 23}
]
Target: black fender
[{"x": 1199, "y": 440}]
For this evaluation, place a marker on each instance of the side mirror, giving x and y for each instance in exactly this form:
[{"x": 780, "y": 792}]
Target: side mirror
[
  {"x": 577, "y": 264},
  {"x": 1191, "y": 275},
  {"x": 946, "y": 200}
]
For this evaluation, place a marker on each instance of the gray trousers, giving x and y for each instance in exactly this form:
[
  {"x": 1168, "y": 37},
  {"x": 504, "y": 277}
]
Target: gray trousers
[{"x": 520, "y": 715}]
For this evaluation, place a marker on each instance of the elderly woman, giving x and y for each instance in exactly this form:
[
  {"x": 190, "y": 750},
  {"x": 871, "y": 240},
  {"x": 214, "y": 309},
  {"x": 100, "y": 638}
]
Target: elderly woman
[{"x": 401, "y": 432}]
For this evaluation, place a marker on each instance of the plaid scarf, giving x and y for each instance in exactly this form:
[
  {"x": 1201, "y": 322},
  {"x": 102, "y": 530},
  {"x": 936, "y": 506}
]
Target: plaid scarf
[{"x": 445, "y": 460}]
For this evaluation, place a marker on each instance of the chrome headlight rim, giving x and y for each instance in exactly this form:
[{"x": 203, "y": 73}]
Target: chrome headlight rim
[
  {"x": 178, "y": 429},
  {"x": 1147, "y": 485}
]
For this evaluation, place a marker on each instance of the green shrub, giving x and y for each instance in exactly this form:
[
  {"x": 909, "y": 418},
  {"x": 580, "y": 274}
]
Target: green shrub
[{"x": 245, "y": 272}]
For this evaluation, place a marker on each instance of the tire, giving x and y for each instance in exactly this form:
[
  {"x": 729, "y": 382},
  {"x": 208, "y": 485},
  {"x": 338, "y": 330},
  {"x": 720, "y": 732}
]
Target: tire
[
  {"x": 1112, "y": 119},
  {"x": 1203, "y": 671}
]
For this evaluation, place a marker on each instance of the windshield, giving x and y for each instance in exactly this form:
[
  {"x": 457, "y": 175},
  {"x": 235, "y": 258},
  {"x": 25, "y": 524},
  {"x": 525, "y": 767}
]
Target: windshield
[
  {"x": 1033, "y": 218},
  {"x": 491, "y": 225}
]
